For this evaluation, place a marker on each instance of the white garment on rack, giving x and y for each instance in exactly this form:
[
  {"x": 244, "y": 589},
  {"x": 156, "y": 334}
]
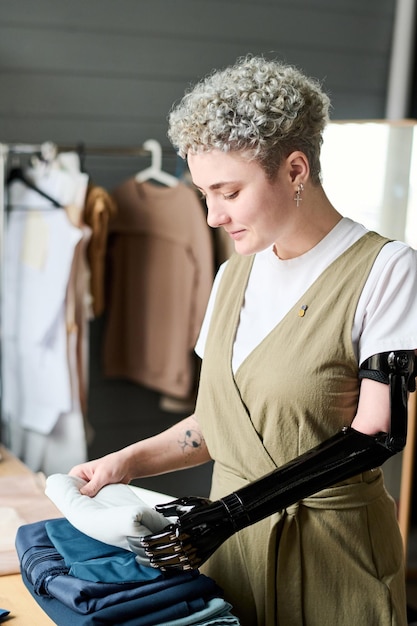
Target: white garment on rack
[
  {"x": 39, "y": 250},
  {"x": 64, "y": 447},
  {"x": 34, "y": 326}
]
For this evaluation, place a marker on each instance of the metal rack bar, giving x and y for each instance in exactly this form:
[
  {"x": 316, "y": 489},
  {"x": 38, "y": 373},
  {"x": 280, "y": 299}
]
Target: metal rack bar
[{"x": 134, "y": 151}]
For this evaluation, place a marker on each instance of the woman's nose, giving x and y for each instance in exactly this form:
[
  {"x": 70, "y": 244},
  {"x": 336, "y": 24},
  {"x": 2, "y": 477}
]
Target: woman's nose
[{"x": 215, "y": 215}]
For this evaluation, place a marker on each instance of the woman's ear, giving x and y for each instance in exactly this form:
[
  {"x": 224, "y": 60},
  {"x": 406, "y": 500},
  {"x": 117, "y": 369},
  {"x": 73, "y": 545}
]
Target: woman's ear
[{"x": 298, "y": 167}]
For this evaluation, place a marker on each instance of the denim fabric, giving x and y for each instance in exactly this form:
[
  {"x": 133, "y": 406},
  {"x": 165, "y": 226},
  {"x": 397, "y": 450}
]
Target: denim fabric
[
  {"x": 37, "y": 555},
  {"x": 94, "y": 560},
  {"x": 67, "y": 598},
  {"x": 216, "y": 613},
  {"x": 64, "y": 616}
]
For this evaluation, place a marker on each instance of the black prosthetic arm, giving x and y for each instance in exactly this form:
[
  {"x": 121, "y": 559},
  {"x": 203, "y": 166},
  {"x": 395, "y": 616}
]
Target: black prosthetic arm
[{"x": 203, "y": 526}]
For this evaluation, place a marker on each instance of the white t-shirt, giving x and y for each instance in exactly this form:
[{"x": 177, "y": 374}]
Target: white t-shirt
[{"x": 386, "y": 317}]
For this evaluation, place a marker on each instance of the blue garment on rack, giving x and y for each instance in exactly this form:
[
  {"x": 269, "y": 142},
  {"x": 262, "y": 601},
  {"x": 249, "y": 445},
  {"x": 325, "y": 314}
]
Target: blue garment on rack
[{"x": 166, "y": 598}]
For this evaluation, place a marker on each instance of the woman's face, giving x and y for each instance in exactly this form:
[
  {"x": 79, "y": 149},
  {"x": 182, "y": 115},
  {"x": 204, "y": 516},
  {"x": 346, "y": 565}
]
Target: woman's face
[{"x": 254, "y": 210}]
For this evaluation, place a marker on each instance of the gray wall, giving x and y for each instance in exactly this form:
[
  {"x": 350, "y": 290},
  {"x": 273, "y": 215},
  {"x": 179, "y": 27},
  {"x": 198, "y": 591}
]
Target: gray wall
[{"x": 105, "y": 72}]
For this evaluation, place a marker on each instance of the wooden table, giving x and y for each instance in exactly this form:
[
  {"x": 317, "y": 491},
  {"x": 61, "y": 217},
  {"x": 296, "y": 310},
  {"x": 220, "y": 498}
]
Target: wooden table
[{"x": 14, "y": 596}]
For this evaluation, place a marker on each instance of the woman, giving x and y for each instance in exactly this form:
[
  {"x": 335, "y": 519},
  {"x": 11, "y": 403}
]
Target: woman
[{"x": 308, "y": 297}]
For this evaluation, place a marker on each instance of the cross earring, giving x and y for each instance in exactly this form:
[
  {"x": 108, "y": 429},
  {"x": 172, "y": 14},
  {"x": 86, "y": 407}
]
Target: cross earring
[{"x": 298, "y": 193}]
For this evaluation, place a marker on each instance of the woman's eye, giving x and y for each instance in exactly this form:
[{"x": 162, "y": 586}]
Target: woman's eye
[{"x": 231, "y": 196}]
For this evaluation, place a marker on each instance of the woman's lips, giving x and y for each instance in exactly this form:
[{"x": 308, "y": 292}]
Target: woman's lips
[{"x": 235, "y": 234}]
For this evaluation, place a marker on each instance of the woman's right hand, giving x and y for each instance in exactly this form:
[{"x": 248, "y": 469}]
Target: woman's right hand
[{"x": 109, "y": 469}]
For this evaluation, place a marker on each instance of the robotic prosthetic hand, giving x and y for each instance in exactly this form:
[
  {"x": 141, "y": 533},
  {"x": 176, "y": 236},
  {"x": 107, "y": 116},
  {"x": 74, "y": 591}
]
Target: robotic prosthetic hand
[{"x": 202, "y": 526}]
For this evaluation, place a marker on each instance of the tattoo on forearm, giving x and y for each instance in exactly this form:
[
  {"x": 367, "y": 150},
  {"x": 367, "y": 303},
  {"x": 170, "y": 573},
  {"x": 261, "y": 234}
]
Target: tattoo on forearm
[{"x": 192, "y": 439}]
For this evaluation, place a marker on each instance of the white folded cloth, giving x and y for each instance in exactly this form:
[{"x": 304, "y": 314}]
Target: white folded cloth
[{"x": 111, "y": 516}]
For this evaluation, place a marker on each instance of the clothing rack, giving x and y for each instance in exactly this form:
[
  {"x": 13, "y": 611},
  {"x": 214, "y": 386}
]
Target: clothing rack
[
  {"x": 19, "y": 149},
  {"x": 49, "y": 150}
]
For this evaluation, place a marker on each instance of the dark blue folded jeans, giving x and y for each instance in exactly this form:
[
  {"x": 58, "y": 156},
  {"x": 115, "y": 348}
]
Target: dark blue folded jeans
[{"x": 46, "y": 575}]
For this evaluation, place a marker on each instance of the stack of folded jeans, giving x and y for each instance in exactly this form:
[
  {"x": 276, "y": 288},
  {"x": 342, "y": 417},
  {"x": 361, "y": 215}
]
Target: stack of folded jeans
[{"x": 79, "y": 580}]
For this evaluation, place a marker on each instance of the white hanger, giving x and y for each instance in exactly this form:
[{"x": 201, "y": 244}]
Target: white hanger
[{"x": 155, "y": 170}]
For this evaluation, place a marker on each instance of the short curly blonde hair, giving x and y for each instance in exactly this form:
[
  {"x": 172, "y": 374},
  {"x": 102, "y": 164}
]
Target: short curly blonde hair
[{"x": 263, "y": 107}]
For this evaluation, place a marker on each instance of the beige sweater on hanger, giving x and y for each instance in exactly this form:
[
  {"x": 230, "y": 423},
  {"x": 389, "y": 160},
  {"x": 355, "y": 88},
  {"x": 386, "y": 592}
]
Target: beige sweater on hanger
[{"x": 160, "y": 272}]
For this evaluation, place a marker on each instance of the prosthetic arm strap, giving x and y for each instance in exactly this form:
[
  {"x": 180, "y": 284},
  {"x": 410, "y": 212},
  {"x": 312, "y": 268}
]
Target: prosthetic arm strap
[
  {"x": 380, "y": 366},
  {"x": 344, "y": 455},
  {"x": 399, "y": 371}
]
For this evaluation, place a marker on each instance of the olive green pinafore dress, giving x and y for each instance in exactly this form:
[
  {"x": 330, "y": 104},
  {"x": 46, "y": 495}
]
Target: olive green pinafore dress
[{"x": 335, "y": 558}]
